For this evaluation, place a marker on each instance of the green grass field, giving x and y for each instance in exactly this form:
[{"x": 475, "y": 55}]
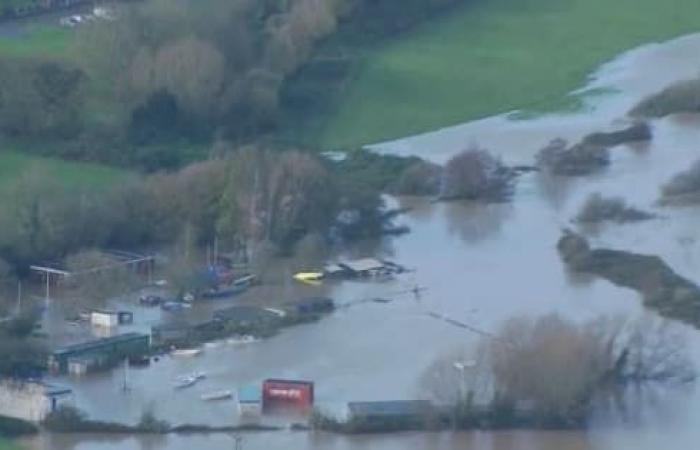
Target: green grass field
[
  {"x": 489, "y": 57},
  {"x": 14, "y": 165}
]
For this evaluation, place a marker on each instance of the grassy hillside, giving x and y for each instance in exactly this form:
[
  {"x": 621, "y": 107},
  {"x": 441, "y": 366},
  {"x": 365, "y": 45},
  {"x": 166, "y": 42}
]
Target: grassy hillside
[{"x": 488, "y": 57}]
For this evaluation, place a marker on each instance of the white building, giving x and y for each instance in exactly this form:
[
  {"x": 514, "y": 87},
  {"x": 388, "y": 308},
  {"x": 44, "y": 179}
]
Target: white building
[{"x": 31, "y": 400}]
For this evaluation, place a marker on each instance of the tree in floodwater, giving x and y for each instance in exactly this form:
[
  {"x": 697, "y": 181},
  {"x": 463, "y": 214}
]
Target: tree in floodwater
[
  {"x": 549, "y": 371},
  {"x": 475, "y": 174}
]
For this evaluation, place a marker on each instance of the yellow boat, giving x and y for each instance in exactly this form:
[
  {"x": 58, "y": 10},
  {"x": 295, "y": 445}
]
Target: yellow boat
[{"x": 309, "y": 277}]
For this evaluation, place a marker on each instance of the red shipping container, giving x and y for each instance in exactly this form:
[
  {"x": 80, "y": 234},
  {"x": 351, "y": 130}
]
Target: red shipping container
[{"x": 298, "y": 395}]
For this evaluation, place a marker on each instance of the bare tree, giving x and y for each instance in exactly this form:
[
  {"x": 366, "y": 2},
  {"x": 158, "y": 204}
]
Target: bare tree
[{"x": 552, "y": 369}]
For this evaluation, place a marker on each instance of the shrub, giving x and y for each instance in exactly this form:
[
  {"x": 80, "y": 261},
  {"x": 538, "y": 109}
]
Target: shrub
[
  {"x": 581, "y": 159},
  {"x": 420, "y": 178},
  {"x": 683, "y": 96},
  {"x": 598, "y": 209},
  {"x": 477, "y": 175},
  {"x": 634, "y": 133},
  {"x": 683, "y": 187}
]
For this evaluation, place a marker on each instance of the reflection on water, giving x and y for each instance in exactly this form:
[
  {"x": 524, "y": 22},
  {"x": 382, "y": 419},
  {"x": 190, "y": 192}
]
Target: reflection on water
[
  {"x": 480, "y": 264},
  {"x": 473, "y": 221}
]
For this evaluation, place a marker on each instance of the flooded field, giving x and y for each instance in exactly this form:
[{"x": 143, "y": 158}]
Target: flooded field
[{"x": 479, "y": 264}]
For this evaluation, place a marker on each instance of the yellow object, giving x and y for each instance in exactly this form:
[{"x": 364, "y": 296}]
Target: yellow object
[{"x": 309, "y": 277}]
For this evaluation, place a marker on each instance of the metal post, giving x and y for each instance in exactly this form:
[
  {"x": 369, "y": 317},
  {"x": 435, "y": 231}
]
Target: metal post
[
  {"x": 19, "y": 297},
  {"x": 48, "y": 289}
]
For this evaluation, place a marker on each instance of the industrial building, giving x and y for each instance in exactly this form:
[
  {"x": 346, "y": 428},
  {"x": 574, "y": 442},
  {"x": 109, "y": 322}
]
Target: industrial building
[{"x": 99, "y": 353}]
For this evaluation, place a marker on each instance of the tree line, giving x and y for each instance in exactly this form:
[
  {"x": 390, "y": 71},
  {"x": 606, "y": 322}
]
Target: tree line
[
  {"x": 191, "y": 70},
  {"x": 247, "y": 196}
]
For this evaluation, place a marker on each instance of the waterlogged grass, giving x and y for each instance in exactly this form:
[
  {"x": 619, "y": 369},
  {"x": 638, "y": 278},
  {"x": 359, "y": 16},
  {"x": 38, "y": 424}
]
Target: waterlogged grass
[{"x": 489, "y": 57}]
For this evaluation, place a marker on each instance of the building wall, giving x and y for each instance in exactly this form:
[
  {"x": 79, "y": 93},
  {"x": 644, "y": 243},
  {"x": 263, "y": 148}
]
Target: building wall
[{"x": 23, "y": 401}]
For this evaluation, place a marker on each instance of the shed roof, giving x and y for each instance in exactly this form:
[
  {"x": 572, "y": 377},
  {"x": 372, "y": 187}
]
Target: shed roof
[
  {"x": 364, "y": 264},
  {"x": 96, "y": 344}
]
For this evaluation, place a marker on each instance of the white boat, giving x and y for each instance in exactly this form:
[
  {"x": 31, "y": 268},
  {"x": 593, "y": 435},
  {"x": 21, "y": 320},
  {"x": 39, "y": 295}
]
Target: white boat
[
  {"x": 186, "y": 352},
  {"x": 189, "y": 380},
  {"x": 241, "y": 340},
  {"x": 218, "y": 395}
]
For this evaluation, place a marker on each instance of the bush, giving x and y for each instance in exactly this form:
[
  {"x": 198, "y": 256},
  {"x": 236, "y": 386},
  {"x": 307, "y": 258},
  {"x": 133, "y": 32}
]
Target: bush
[
  {"x": 683, "y": 187},
  {"x": 637, "y": 132},
  {"x": 476, "y": 175},
  {"x": 599, "y": 209},
  {"x": 420, "y": 178},
  {"x": 683, "y": 96},
  {"x": 149, "y": 423},
  {"x": 68, "y": 419},
  {"x": 581, "y": 159}
]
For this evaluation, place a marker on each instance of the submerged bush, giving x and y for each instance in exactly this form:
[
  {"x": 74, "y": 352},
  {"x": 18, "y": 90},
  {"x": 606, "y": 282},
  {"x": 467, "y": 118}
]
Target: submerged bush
[
  {"x": 683, "y": 187},
  {"x": 635, "y": 133},
  {"x": 475, "y": 174},
  {"x": 599, "y": 209},
  {"x": 581, "y": 159},
  {"x": 680, "y": 97},
  {"x": 420, "y": 178}
]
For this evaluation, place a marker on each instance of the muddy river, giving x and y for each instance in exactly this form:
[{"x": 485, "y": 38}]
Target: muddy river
[{"x": 480, "y": 264}]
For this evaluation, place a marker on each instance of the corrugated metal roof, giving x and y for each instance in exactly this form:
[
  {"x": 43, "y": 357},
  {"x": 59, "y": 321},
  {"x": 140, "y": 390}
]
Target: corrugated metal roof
[{"x": 126, "y": 337}]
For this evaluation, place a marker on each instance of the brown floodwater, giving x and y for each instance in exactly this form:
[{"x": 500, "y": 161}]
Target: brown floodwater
[{"x": 479, "y": 264}]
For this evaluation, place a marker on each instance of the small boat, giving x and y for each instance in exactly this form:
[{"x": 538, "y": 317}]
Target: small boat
[
  {"x": 218, "y": 395},
  {"x": 241, "y": 340},
  {"x": 186, "y": 352},
  {"x": 189, "y": 380}
]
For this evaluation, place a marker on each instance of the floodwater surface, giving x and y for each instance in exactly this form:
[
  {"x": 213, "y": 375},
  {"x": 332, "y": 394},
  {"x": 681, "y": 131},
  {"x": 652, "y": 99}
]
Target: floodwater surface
[{"x": 478, "y": 264}]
